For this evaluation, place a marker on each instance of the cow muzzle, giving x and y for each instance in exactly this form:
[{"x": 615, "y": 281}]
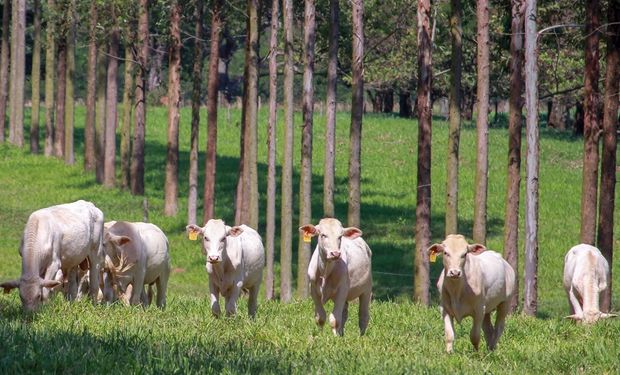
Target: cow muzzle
[
  {"x": 213, "y": 259},
  {"x": 333, "y": 255},
  {"x": 454, "y": 273}
]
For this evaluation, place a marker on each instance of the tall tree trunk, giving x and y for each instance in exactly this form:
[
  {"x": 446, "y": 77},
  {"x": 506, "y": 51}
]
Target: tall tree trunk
[
  {"x": 128, "y": 91},
  {"x": 423, "y": 191},
  {"x": 61, "y": 91},
  {"x": 50, "y": 69},
  {"x": 91, "y": 93},
  {"x": 18, "y": 73},
  {"x": 137, "y": 159},
  {"x": 100, "y": 115},
  {"x": 608, "y": 162},
  {"x": 357, "y": 111},
  {"x": 212, "y": 102},
  {"x": 35, "y": 78},
  {"x": 511, "y": 221},
  {"x": 174, "y": 101},
  {"x": 454, "y": 133},
  {"x": 482, "y": 123},
  {"x": 70, "y": 92},
  {"x": 530, "y": 303},
  {"x": 4, "y": 66},
  {"x": 192, "y": 194},
  {"x": 330, "y": 124},
  {"x": 111, "y": 99},
  {"x": 305, "y": 189},
  {"x": 591, "y": 125},
  {"x": 271, "y": 151},
  {"x": 286, "y": 215}
]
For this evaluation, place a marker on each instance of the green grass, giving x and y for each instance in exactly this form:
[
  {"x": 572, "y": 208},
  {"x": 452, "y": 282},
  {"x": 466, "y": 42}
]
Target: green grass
[{"x": 402, "y": 337}]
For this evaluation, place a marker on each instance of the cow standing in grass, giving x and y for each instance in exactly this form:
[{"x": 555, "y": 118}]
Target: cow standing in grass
[
  {"x": 235, "y": 262},
  {"x": 55, "y": 241},
  {"x": 474, "y": 282},
  {"x": 339, "y": 270},
  {"x": 586, "y": 277}
]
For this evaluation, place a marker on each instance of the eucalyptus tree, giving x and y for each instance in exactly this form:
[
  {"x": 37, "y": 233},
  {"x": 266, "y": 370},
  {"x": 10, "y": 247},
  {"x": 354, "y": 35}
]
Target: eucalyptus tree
[
  {"x": 18, "y": 74},
  {"x": 330, "y": 121},
  {"x": 35, "y": 78},
  {"x": 4, "y": 65}
]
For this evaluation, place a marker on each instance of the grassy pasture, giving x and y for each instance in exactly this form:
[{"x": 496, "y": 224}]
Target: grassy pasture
[{"x": 402, "y": 337}]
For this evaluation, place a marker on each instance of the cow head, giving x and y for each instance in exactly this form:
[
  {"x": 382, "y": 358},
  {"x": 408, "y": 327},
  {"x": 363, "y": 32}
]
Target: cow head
[
  {"x": 120, "y": 258},
  {"x": 32, "y": 290},
  {"x": 454, "y": 250},
  {"x": 590, "y": 317},
  {"x": 214, "y": 235},
  {"x": 330, "y": 232}
]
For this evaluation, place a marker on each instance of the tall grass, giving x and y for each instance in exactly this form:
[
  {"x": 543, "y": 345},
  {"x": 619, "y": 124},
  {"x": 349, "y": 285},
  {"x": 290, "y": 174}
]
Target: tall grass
[{"x": 402, "y": 337}]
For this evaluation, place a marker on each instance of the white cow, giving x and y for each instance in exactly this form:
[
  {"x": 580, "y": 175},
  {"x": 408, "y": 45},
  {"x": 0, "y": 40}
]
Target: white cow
[
  {"x": 586, "y": 275},
  {"x": 137, "y": 255},
  {"x": 55, "y": 241},
  {"x": 474, "y": 282},
  {"x": 235, "y": 262},
  {"x": 340, "y": 271}
]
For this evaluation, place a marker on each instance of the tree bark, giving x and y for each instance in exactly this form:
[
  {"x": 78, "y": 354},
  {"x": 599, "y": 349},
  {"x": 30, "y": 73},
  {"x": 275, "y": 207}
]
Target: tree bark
[
  {"x": 61, "y": 91},
  {"x": 126, "y": 126},
  {"x": 4, "y": 67},
  {"x": 608, "y": 160},
  {"x": 305, "y": 188},
  {"x": 70, "y": 91},
  {"x": 511, "y": 221},
  {"x": 171, "y": 189},
  {"x": 530, "y": 303},
  {"x": 137, "y": 156},
  {"x": 35, "y": 78},
  {"x": 357, "y": 111},
  {"x": 91, "y": 91},
  {"x": 423, "y": 191},
  {"x": 330, "y": 124},
  {"x": 482, "y": 122},
  {"x": 100, "y": 115},
  {"x": 111, "y": 119},
  {"x": 18, "y": 73},
  {"x": 286, "y": 216},
  {"x": 50, "y": 69},
  {"x": 271, "y": 152},
  {"x": 591, "y": 124},
  {"x": 454, "y": 132},
  {"x": 212, "y": 103}
]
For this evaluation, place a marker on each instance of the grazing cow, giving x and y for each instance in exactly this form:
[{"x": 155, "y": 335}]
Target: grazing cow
[
  {"x": 586, "y": 275},
  {"x": 55, "y": 241},
  {"x": 235, "y": 262},
  {"x": 340, "y": 271},
  {"x": 474, "y": 282},
  {"x": 137, "y": 255}
]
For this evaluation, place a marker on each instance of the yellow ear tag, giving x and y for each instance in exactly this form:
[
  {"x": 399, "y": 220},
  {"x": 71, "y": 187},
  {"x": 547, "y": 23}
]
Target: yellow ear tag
[
  {"x": 433, "y": 257},
  {"x": 193, "y": 236},
  {"x": 307, "y": 237}
]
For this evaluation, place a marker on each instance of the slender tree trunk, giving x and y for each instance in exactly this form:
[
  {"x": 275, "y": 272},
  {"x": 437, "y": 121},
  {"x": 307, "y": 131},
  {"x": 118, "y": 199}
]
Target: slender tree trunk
[
  {"x": 111, "y": 99},
  {"x": 192, "y": 194},
  {"x": 18, "y": 73},
  {"x": 608, "y": 162},
  {"x": 591, "y": 124},
  {"x": 50, "y": 69},
  {"x": 4, "y": 67},
  {"x": 128, "y": 91},
  {"x": 61, "y": 91},
  {"x": 212, "y": 102},
  {"x": 511, "y": 222},
  {"x": 252, "y": 118},
  {"x": 137, "y": 159},
  {"x": 454, "y": 133},
  {"x": 330, "y": 125},
  {"x": 70, "y": 92},
  {"x": 357, "y": 111},
  {"x": 91, "y": 93},
  {"x": 482, "y": 123},
  {"x": 423, "y": 191},
  {"x": 35, "y": 78},
  {"x": 530, "y": 303},
  {"x": 305, "y": 189},
  {"x": 286, "y": 216},
  {"x": 174, "y": 102},
  {"x": 100, "y": 115}
]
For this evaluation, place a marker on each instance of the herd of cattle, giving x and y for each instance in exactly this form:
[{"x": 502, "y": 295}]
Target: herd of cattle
[{"x": 69, "y": 248}]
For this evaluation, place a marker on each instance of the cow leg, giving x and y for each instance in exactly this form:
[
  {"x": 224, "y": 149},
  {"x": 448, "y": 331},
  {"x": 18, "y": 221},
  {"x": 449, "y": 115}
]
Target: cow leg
[
  {"x": 364, "y": 312},
  {"x": 95, "y": 269},
  {"x": 253, "y": 301},
  {"x": 73, "y": 281},
  {"x": 335, "y": 318},
  {"x": 53, "y": 273},
  {"x": 500, "y": 320},
  {"x": 572, "y": 297},
  {"x": 162, "y": 286},
  {"x": 474, "y": 335},
  {"x": 345, "y": 317},
  {"x": 215, "y": 305},
  {"x": 448, "y": 326},
  {"x": 489, "y": 332},
  {"x": 231, "y": 299},
  {"x": 319, "y": 310}
]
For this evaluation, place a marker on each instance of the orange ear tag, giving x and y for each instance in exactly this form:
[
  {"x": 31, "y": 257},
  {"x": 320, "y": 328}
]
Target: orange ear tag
[
  {"x": 307, "y": 237},
  {"x": 433, "y": 257},
  {"x": 193, "y": 236}
]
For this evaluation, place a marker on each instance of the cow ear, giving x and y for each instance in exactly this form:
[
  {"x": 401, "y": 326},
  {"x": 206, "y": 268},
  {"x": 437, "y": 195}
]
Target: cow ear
[
  {"x": 193, "y": 228},
  {"x": 435, "y": 249},
  {"x": 46, "y": 283},
  {"x": 121, "y": 240},
  {"x": 9, "y": 285},
  {"x": 476, "y": 249},
  {"x": 352, "y": 233},
  {"x": 234, "y": 231},
  {"x": 309, "y": 230}
]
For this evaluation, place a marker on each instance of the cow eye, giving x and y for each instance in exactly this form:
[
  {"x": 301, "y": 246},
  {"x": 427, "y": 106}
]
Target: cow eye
[
  {"x": 445, "y": 253},
  {"x": 206, "y": 239},
  {"x": 323, "y": 236},
  {"x": 463, "y": 256}
]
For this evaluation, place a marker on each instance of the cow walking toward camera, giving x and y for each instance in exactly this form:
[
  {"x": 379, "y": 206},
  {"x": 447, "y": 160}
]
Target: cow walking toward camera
[
  {"x": 586, "y": 275},
  {"x": 474, "y": 282},
  {"x": 235, "y": 262},
  {"x": 339, "y": 270}
]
